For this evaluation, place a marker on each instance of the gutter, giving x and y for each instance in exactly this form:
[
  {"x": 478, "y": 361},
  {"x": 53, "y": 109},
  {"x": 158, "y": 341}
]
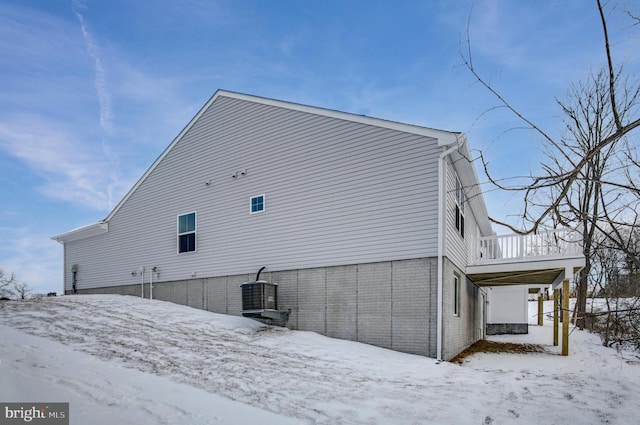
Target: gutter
[{"x": 442, "y": 175}]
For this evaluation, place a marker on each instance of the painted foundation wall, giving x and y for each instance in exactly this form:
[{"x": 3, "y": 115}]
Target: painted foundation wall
[
  {"x": 462, "y": 330},
  {"x": 388, "y": 304}
]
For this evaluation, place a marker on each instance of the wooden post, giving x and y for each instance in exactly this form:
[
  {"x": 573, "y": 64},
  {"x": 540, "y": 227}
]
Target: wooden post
[
  {"x": 540, "y": 309},
  {"x": 556, "y": 300},
  {"x": 565, "y": 317}
]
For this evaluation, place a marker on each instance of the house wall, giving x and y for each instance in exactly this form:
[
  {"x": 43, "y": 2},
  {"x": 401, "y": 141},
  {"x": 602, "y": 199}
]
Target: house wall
[
  {"x": 507, "y": 310},
  {"x": 337, "y": 193},
  {"x": 350, "y": 229},
  {"x": 462, "y": 330},
  {"x": 455, "y": 247},
  {"x": 388, "y": 304}
]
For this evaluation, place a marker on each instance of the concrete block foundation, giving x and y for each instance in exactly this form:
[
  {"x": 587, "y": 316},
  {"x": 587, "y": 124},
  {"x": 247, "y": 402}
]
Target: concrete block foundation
[{"x": 389, "y": 304}]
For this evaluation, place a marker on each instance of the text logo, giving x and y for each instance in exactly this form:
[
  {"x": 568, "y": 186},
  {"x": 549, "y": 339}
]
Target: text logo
[{"x": 34, "y": 413}]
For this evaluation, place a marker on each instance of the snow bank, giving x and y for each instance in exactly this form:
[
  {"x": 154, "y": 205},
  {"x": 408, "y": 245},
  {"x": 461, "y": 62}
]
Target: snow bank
[
  {"x": 35, "y": 369},
  {"x": 299, "y": 375}
]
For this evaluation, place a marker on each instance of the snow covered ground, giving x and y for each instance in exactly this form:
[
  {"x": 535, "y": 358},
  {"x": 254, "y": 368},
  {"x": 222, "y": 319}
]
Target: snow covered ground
[{"x": 119, "y": 359}]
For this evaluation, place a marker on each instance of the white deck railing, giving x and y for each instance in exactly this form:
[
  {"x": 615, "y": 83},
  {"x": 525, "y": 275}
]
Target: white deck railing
[{"x": 558, "y": 243}]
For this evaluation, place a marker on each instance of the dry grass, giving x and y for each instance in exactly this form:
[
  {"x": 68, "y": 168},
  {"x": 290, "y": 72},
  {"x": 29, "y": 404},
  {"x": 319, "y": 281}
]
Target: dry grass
[{"x": 485, "y": 346}]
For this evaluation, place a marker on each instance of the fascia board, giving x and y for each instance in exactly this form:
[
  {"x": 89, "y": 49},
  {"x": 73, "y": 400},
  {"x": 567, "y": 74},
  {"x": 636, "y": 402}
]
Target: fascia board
[{"x": 82, "y": 232}]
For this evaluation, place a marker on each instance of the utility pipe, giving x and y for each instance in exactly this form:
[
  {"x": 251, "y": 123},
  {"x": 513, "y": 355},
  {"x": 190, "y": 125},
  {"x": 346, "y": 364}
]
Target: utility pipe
[
  {"x": 260, "y": 271},
  {"x": 141, "y": 270},
  {"x": 442, "y": 175},
  {"x": 151, "y": 283}
]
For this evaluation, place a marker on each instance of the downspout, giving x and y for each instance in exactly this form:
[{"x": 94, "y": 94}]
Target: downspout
[{"x": 442, "y": 175}]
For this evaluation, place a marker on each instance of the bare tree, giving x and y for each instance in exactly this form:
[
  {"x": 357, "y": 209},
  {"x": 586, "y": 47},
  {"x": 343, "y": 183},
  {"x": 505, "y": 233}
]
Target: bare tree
[
  {"x": 620, "y": 105},
  {"x": 587, "y": 181},
  {"x": 598, "y": 197},
  {"x": 22, "y": 290},
  {"x": 11, "y": 287},
  {"x": 7, "y": 283},
  {"x": 616, "y": 281}
]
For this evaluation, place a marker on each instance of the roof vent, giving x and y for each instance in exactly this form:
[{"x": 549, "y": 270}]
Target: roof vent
[{"x": 260, "y": 301}]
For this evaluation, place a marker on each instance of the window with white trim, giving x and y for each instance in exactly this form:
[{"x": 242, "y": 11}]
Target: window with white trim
[
  {"x": 187, "y": 232},
  {"x": 456, "y": 294},
  {"x": 256, "y": 204},
  {"x": 460, "y": 201}
]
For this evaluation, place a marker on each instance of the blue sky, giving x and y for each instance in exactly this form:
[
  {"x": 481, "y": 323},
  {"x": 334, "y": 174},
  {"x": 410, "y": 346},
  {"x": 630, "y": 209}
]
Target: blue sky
[{"x": 91, "y": 92}]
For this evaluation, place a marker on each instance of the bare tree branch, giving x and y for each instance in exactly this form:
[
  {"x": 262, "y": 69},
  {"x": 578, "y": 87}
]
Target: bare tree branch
[
  {"x": 587, "y": 181},
  {"x": 633, "y": 17},
  {"x": 576, "y": 158},
  {"x": 612, "y": 88}
]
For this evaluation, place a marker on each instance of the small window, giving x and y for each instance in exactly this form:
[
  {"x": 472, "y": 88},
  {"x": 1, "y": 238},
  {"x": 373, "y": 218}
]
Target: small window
[
  {"x": 460, "y": 201},
  {"x": 456, "y": 295},
  {"x": 187, "y": 232},
  {"x": 257, "y": 204}
]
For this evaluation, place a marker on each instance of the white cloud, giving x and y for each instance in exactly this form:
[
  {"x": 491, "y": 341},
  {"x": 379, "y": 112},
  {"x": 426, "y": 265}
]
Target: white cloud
[
  {"x": 49, "y": 119},
  {"x": 102, "y": 92},
  {"x": 71, "y": 170},
  {"x": 104, "y": 99},
  {"x": 553, "y": 43}
]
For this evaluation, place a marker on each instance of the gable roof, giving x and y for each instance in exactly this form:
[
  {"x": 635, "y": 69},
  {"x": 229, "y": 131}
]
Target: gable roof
[{"x": 445, "y": 138}]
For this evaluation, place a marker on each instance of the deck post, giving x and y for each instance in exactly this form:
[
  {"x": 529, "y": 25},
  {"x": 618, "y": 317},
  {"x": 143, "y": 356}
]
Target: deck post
[
  {"x": 540, "y": 309},
  {"x": 556, "y": 300},
  {"x": 565, "y": 317}
]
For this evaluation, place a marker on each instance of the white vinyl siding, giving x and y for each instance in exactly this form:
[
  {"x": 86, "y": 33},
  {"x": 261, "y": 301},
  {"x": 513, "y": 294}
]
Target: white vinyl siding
[
  {"x": 321, "y": 174},
  {"x": 460, "y": 203},
  {"x": 456, "y": 246}
]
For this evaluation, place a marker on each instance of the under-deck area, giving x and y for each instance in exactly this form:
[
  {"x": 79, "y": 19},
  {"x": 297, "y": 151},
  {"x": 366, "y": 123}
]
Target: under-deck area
[{"x": 538, "y": 261}]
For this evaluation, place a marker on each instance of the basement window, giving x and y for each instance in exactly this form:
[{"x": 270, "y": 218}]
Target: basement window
[
  {"x": 456, "y": 294},
  {"x": 256, "y": 204},
  {"x": 187, "y": 232},
  {"x": 460, "y": 201}
]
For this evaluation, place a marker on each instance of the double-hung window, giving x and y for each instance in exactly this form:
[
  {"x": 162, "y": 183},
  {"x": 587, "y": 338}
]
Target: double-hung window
[
  {"x": 187, "y": 232},
  {"x": 460, "y": 201}
]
